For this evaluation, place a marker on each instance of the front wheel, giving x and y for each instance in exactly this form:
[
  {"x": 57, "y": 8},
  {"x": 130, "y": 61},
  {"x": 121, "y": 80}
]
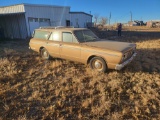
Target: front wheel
[
  {"x": 44, "y": 54},
  {"x": 98, "y": 64}
]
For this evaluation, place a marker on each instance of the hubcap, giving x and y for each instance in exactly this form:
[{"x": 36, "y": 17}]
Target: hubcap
[
  {"x": 45, "y": 54},
  {"x": 98, "y": 65}
]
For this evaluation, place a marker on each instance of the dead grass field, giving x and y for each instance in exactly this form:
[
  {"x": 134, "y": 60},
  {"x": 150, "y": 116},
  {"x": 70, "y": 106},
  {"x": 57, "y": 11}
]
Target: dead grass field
[
  {"x": 131, "y": 28},
  {"x": 31, "y": 88}
]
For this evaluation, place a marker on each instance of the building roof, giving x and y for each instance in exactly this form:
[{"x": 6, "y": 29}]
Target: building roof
[
  {"x": 20, "y": 8},
  {"x": 81, "y": 13},
  {"x": 7, "y": 14},
  {"x": 28, "y": 4}
]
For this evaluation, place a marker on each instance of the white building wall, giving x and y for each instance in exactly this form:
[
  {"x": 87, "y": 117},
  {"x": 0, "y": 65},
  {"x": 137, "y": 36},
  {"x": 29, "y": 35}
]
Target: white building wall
[
  {"x": 56, "y": 14},
  {"x": 80, "y": 19},
  {"x": 17, "y": 23}
]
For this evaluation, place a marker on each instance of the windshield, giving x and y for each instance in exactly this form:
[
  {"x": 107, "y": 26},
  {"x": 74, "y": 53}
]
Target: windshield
[{"x": 85, "y": 35}]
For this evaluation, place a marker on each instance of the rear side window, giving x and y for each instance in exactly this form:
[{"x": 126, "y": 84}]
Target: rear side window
[
  {"x": 68, "y": 37},
  {"x": 41, "y": 34}
]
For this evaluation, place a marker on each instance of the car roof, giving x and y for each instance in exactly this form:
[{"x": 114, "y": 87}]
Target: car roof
[{"x": 59, "y": 29}]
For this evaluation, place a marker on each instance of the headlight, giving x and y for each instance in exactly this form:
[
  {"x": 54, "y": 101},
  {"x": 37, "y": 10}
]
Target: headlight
[{"x": 127, "y": 55}]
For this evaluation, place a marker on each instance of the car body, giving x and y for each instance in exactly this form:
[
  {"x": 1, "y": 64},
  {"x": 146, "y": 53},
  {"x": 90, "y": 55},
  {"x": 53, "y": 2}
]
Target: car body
[{"x": 82, "y": 45}]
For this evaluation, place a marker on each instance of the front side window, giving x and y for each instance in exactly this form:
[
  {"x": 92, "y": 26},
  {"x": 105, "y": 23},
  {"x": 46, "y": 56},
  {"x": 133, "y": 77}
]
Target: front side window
[
  {"x": 68, "y": 37},
  {"x": 41, "y": 34},
  {"x": 54, "y": 36}
]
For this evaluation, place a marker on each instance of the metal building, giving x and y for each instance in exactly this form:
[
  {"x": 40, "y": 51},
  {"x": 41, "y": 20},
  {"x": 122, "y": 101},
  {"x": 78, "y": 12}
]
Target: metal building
[
  {"x": 80, "y": 19},
  {"x": 19, "y": 21}
]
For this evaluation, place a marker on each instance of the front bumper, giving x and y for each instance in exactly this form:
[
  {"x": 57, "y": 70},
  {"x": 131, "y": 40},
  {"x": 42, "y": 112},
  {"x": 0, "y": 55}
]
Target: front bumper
[{"x": 120, "y": 66}]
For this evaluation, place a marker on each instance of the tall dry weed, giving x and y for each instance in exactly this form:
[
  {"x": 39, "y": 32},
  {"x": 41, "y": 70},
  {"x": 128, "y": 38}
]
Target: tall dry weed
[{"x": 8, "y": 68}]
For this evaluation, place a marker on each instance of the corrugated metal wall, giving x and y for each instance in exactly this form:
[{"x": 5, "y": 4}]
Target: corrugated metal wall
[
  {"x": 14, "y": 25},
  {"x": 80, "y": 19},
  {"x": 56, "y": 14},
  {"x": 19, "y": 21}
]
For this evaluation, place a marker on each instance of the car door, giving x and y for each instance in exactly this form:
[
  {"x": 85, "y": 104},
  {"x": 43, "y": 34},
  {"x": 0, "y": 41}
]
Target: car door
[
  {"x": 53, "y": 44},
  {"x": 70, "y": 48}
]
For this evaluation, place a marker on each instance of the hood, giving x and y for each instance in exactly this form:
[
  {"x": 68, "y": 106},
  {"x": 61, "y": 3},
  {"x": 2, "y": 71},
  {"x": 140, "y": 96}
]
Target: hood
[{"x": 111, "y": 45}]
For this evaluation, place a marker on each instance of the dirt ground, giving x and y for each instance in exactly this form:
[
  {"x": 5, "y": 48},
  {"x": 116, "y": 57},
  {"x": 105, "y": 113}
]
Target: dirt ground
[{"x": 32, "y": 88}]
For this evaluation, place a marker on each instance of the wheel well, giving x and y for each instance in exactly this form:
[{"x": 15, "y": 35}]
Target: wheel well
[
  {"x": 40, "y": 49},
  {"x": 93, "y": 57},
  {"x": 90, "y": 58}
]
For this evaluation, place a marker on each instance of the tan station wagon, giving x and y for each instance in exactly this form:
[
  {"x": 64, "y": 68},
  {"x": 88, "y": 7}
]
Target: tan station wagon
[{"x": 82, "y": 45}]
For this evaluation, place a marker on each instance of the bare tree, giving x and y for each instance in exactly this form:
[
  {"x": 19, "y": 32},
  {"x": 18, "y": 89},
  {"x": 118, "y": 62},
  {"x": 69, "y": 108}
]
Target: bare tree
[
  {"x": 103, "y": 21},
  {"x": 96, "y": 17}
]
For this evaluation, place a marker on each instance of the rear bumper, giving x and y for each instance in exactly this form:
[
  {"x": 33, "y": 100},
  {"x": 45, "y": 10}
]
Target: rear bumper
[{"x": 120, "y": 66}]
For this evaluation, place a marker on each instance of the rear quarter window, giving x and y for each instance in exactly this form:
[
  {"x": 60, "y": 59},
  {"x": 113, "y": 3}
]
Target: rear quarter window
[
  {"x": 55, "y": 36},
  {"x": 41, "y": 35}
]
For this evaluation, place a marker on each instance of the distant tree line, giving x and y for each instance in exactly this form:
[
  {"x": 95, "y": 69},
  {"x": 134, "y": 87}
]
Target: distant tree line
[{"x": 100, "y": 20}]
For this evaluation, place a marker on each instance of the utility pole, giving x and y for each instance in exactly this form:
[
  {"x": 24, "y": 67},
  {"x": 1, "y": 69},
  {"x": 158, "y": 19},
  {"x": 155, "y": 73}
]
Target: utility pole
[
  {"x": 109, "y": 18},
  {"x": 131, "y": 16}
]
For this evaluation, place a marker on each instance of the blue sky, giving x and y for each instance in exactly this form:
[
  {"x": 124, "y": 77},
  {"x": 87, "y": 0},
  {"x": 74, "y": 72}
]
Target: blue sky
[{"x": 120, "y": 9}]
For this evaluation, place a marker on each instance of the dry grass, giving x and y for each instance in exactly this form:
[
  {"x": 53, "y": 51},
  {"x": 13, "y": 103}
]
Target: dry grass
[
  {"x": 31, "y": 88},
  {"x": 132, "y": 28},
  {"x": 140, "y": 28}
]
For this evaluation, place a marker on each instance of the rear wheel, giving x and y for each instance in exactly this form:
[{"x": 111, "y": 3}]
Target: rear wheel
[
  {"x": 44, "y": 54},
  {"x": 98, "y": 64}
]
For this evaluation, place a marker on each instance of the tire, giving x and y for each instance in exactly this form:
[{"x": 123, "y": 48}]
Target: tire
[
  {"x": 98, "y": 64},
  {"x": 45, "y": 54}
]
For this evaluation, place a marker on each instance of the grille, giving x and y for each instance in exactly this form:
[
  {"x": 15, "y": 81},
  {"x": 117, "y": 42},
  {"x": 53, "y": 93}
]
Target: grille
[{"x": 127, "y": 55}]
